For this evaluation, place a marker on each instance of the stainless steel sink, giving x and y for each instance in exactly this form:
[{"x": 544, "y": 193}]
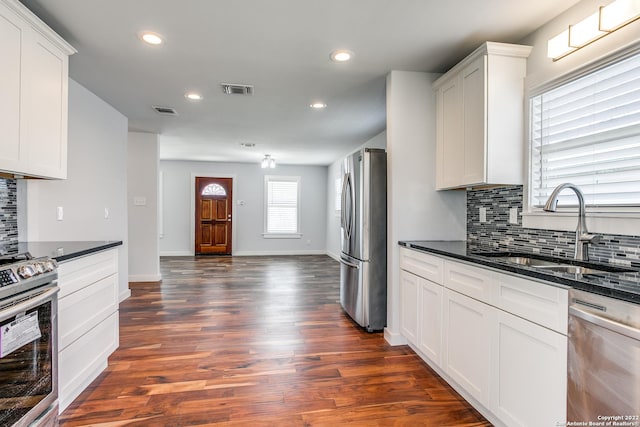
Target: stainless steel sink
[
  {"x": 527, "y": 261},
  {"x": 554, "y": 264},
  {"x": 572, "y": 269}
]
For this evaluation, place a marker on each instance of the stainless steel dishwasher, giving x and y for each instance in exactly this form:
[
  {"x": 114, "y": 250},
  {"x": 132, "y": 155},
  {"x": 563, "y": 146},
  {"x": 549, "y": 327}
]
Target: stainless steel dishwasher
[{"x": 604, "y": 360}]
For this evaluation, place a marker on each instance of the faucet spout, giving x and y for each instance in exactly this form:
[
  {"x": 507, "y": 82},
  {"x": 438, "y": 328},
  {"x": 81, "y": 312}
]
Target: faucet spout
[{"x": 583, "y": 238}]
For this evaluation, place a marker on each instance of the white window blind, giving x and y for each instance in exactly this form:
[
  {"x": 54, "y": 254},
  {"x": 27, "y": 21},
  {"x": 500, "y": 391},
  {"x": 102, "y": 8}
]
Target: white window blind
[
  {"x": 587, "y": 132},
  {"x": 281, "y": 205}
]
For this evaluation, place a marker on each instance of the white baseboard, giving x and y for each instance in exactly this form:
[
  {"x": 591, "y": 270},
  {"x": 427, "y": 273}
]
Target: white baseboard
[
  {"x": 334, "y": 256},
  {"x": 269, "y": 253},
  {"x": 145, "y": 277},
  {"x": 124, "y": 295},
  {"x": 176, "y": 253},
  {"x": 394, "y": 338}
]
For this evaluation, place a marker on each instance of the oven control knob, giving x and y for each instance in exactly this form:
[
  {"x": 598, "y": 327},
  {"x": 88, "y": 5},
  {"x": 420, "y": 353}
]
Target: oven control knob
[
  {"x": 26, "y": 271},
  {"x": 49, "y": 265},
  {"x": 39, "y": 267}
]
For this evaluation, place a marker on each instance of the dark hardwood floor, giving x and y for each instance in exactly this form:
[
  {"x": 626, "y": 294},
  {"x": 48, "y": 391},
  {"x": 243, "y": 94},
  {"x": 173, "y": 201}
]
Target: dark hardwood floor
[{"x": 258, "y": 341}]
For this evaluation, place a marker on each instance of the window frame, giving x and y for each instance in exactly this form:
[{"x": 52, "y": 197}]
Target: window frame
[
  {"x": 277, "y": 178},
  {"x": 600, "y": 219}
]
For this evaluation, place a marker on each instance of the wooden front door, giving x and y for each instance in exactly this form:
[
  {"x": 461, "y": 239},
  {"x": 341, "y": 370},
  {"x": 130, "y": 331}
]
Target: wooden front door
[{"x": 214, "y": 203}]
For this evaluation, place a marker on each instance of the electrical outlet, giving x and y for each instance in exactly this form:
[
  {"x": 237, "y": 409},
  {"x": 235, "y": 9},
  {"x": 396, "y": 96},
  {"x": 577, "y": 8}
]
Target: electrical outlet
[{"x": 483, "y": 214}]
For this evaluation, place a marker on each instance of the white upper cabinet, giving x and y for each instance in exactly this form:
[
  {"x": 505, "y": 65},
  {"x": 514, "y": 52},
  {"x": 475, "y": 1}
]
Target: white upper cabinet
[
  {"x": 480, "y": 118},
  {"x": 34, "y": 86}
]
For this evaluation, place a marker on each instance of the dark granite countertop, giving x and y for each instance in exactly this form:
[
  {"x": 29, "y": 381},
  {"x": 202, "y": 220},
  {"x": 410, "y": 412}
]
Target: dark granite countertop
[
  {"x": 66, "y": 251},
  {"x": 624, "y": 286}
]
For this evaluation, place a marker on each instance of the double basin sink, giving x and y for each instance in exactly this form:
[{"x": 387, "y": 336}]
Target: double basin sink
[{"x": 561, "y": 265}]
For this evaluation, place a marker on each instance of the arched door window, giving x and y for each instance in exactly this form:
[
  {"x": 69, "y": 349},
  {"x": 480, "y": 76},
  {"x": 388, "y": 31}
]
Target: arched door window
[{"x": 214, "y": 190}]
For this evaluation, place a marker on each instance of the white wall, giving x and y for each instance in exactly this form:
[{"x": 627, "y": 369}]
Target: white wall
[
  {"x": 415, "y": 210},
  {"x": 97, "y": 180},
  {"x": 144, "y": 260},
  {"x": 248, "y": 221},
  {"x": 333, "y": 214},
  {"x": 542, "y": 71}
]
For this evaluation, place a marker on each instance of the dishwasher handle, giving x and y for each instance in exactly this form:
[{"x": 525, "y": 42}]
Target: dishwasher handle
[{"x": 603, "y": 322}]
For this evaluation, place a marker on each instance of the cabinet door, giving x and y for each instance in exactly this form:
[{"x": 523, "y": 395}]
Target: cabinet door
[
  {"x": 467, "y": 350},
  {"x": 474, "y": 120},
  {"x": 529, "y": 373},
  {"x": 44, "y": 107},
  {"x": 449, "y": 146},
  {"x": 12, "y": 158},
  {"x": 430, "y": 320},
  {"x": 409, "y": 306}
]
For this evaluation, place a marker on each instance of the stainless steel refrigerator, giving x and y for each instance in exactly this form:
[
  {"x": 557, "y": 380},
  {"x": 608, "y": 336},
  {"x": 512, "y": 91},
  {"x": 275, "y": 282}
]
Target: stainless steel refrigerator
[{"x": 363, "y": 261}]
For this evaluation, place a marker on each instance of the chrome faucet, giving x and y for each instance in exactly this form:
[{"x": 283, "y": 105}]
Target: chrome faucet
[{"x": 583, "y": 237}]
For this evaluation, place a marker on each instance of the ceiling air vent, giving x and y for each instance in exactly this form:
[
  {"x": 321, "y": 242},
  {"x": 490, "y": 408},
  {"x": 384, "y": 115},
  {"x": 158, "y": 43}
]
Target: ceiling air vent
[
  {"x": 165, "y": 111},
  {"x": 237, "y": 89}
]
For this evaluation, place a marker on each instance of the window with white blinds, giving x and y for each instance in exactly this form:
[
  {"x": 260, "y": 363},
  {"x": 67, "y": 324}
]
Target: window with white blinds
[
  {"x": 587, "y": 132},
  {"x": 281, "y": 210}
]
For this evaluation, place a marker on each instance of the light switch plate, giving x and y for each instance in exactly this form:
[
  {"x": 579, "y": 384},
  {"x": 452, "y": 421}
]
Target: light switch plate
[
  {"x": 483, "y": 214},
  {"x": 513, "y": 216}
]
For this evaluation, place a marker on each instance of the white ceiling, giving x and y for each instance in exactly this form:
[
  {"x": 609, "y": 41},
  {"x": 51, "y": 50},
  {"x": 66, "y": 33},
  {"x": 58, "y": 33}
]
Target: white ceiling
[{"x": 280, "y": 46}]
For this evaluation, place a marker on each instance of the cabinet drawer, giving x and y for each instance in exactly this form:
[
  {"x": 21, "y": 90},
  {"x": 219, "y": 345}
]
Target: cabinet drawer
[
  {"x": 81, "y": 311},
  {"x": 79, "y": 273},
  {"x": 421, "y": 264},
  {"x": 543, "y": 304},
  {"x": 467, "y": 280}
]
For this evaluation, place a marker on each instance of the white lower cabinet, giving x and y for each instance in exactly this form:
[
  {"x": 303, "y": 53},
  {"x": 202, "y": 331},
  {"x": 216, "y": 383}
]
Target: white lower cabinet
[
  {"x": 409, "y": 297},
  {"x": 430, "y": 320},
  {"x": 87, "y": 321},
  {"x": 529, "y": 373},
  {"x": 499, "y": 339},
  {"x": 467, "y": 328}
]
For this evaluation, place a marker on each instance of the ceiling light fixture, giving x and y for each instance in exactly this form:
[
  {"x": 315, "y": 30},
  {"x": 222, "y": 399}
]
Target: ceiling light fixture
[
  {"x": 341, "y": 55},
  {"x": 151, "y": 38},
  {"x": 193, "y": 96},
  {"x": 268, "y": 162},
  {"x": 318, "y": 105},
  {"x": 609, "y": 18}
]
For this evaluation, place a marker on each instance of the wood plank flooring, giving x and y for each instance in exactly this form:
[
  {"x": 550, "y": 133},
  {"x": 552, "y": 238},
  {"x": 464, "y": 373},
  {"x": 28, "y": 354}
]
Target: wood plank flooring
[{"x": 258, "y": 341}]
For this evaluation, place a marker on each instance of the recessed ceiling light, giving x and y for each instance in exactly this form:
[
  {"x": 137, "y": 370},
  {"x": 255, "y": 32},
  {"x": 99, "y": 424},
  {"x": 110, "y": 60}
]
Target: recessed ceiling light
[
  {"x": 151, "y": 38},
  {"x": 193, "y": 96},
  {"x": 318, "y": 105},
  {"x": 341, "y": 55}
]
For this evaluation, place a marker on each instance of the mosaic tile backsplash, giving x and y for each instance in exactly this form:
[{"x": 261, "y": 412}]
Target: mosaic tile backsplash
[
  {"x": 8, "y": 212},
  {"x": 498, "y": 234}
]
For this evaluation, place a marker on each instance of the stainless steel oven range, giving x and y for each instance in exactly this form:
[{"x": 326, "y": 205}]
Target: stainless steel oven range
[{"x": 28, "y": 341}]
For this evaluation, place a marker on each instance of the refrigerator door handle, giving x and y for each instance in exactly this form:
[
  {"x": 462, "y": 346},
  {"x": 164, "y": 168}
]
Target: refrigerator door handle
[
  {"x": 347, "y": 217},
  {"x": 349, "y": 264}
]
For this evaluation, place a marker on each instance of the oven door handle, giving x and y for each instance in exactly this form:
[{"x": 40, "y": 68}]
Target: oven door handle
[
  {"x": 603, "y": 322},
  {"x": 28, "y": 304}
]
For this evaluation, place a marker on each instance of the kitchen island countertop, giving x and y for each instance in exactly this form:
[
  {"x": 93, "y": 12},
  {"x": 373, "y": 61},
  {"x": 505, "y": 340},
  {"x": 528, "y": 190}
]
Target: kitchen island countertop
[
  {"x": 63, "y": 251},
  {"x": 624, "y": 286}
]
